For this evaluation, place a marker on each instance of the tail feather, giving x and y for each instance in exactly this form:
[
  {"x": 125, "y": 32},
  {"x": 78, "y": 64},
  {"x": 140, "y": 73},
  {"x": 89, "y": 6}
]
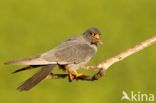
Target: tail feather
[
  {"x": 31, "y": 61},
  {"x": 36, "y": 78},
  {"x": 26, "y": 68},
  {"x": 18, "y": 61}
]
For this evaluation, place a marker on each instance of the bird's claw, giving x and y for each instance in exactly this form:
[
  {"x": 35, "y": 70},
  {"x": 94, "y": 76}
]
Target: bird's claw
[
  {"x": 77, "y": 77},
  {"x": 72, "y": 74}
]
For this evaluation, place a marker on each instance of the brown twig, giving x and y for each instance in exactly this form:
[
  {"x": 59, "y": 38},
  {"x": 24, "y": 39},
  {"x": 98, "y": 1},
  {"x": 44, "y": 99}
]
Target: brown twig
[{"x": 104, "y": 65}]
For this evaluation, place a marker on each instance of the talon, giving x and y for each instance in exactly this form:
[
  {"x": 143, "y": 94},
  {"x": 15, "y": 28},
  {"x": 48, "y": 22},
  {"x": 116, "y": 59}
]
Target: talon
[
  {"x": 79, "y": 75},
  {"x": 72, "y": 74}
]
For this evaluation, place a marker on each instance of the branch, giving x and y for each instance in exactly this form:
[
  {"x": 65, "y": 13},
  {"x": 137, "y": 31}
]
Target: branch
[{"x": 104, "y": 65}]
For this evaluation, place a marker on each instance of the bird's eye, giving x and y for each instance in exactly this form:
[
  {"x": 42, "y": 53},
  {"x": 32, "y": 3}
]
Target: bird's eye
[{"x": 92, "y": 34}]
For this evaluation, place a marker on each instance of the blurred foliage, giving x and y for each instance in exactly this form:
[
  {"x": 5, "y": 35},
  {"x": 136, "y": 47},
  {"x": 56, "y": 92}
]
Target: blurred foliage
[{"x": 28, "y": 27}]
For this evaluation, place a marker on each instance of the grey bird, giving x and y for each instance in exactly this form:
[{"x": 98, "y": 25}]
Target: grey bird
[{"x": 70, "y": 55}]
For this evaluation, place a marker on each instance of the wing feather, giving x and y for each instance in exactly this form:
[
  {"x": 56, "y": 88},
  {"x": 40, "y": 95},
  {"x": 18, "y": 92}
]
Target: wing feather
[
  {"x": 73, "y": 50},
  {"x": 72, "y": 54}
]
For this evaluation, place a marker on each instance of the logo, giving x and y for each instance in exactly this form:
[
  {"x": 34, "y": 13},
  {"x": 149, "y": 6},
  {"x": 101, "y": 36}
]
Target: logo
[{"x": 137, "y": 96}]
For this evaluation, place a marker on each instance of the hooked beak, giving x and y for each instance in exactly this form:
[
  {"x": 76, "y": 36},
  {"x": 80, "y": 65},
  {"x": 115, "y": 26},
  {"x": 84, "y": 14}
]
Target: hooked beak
[{"x": 97, "y": 38}]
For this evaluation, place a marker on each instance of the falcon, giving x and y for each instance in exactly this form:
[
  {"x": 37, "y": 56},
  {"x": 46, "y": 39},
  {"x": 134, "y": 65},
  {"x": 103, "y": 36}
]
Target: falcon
[{"x": 70, "y": 55}]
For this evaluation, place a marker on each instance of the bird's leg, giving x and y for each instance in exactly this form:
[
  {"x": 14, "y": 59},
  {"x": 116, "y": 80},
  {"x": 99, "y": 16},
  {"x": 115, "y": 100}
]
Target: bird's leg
[
  {"x": 73, "y": 74},
  {"x": 70, "y": 76}
]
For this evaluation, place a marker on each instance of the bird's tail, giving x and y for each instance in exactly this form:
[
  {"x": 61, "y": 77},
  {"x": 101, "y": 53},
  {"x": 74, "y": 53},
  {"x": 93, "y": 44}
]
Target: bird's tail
[{"x": 36, "y": 78}]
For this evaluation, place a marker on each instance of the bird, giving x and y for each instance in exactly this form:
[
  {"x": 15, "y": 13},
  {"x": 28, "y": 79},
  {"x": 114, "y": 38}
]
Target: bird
[{"x": 69, "y": 55}]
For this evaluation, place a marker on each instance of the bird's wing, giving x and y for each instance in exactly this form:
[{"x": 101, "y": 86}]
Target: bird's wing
[
  {"x": 75, "y": 53},
  {"x": 31, "y": 61},
  {"x": 38, "y": 60},
  {"x": 73, "y": 50}
]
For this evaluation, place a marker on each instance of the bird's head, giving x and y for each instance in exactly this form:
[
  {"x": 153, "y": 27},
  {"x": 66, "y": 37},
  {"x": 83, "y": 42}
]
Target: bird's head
[{"x": 93, "y": 35}]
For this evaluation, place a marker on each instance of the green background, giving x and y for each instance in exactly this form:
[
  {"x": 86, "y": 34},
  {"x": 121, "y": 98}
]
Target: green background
[{"x": 29, "y": 27}]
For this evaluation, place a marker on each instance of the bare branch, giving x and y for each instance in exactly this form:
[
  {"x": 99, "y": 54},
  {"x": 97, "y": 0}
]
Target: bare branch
[
  {"x": 107, "y": 63},
  {"x": 104, "y": 65}
]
